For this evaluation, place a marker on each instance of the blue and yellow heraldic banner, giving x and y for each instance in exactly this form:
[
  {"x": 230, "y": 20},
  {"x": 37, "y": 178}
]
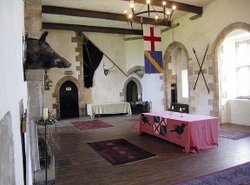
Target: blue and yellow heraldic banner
[
  {"x": 153, "y": 62},
  {"x": 152, "y": 49}
]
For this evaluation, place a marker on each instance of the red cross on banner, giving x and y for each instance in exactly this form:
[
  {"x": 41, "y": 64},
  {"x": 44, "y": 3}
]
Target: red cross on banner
[
  {"x": 152, "y": 37},
  {"x": 152, "y": 49}
]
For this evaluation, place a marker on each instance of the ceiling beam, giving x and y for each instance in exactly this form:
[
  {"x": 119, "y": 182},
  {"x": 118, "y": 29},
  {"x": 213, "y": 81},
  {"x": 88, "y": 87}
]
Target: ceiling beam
[
  {"x": 83, "y": 28},
  {"x": 179, "y": 6},
  {"x": 96, "y": 14},
  {"x": 82, "y": 13}
]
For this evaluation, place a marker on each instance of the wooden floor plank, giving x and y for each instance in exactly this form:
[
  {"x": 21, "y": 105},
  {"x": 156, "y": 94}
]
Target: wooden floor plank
[{"x": 79, "y": 164}]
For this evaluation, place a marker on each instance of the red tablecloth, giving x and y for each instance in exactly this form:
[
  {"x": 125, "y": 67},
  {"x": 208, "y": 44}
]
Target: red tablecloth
[{"x": 193, "y": 132}]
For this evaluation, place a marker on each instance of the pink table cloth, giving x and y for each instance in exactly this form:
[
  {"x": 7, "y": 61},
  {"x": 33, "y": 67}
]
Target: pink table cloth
[{"x": 193, "y": 132}]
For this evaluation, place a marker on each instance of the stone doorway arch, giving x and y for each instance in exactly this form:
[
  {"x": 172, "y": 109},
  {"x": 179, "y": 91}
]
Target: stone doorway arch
[
  {"x": 139, "y": 88},
  {"x": 57, "y": 95},
  {"x": 216, "y": 105},
  {"x": 168, "y": 75}
]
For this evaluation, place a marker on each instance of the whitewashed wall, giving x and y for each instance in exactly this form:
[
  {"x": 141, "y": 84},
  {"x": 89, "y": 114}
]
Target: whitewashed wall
[
  {"x": 153, "y": 91},
  {"x": 152, "y": 84},
  {"x": 200, "y": 32},
  {"x": 60, "y": 41},
  {"x": 134, "y": 53},
  {"x": 13, "y": 89},
  {"x": 108, "y": 88},
  {"x": 126, "y": 54},
  {"x": 105, "y": 88},
  {"x": 192, "y": 34}
]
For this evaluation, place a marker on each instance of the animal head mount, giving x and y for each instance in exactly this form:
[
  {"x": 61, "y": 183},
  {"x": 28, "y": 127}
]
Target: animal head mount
[
  {"x": 107, "y": 71},
  {"x": 40, "y": 55}
]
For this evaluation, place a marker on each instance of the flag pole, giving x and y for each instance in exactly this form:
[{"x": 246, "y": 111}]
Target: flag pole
[{"x": 107, "y": 57}]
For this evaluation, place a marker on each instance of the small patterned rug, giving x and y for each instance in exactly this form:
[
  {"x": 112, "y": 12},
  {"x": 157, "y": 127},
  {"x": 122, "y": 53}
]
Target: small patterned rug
[
  {"x": 232, "y": 134},
  {"x": 120, "y": 151},
  {"x": 238, "y": 175},
  {"x": 92, "y": 124}
]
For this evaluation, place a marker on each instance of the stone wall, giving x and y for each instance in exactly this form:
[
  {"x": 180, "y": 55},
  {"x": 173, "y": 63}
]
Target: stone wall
[
  {"x": 7, "y": 169},
  {"x": 198, "y": 34},
  {"x": 33, "y": 24},
  {"x": 69, "y": 45}
]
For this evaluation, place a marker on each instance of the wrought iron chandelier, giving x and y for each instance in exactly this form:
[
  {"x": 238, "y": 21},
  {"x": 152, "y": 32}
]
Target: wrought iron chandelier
[{"x": 162, "y": 16}]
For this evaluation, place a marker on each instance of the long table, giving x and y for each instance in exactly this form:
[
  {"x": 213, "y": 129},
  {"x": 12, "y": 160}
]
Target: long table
[
  {"x": 108, "y": 108},
  {"x": 193, "y": 132}
]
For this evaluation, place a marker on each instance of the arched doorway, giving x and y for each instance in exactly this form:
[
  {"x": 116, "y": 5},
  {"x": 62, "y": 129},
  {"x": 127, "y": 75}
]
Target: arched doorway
[
  {"x": 135, "y": 82},
  {"x": 227, "y": 68},
  {"x": 68, "y": 100},
  {"x": 132, "y": 92},
  {"x": 176, "y": 74}
]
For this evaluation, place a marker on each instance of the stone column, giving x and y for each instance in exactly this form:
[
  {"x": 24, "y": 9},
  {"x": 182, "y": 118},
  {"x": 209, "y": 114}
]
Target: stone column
[
  {"x": 79, "y": 58},
  {"x": 35, "y": 107},
  {"x": 35, "y": 83},
  {"x": 33, "y": 25},
  {"x": 33, "y": 18}
]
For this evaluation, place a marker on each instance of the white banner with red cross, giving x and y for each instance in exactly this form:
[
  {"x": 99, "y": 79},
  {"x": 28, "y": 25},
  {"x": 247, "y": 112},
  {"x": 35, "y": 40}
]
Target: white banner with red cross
[{"x": 152, "y": 49}]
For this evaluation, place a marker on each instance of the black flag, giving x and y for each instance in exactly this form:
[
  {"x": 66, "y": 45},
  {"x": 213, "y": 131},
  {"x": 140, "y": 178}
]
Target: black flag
[{"x": 92, "y": 57}]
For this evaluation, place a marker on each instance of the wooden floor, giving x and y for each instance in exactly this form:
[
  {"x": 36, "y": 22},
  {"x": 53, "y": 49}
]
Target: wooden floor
[{"x": 78, "y": 164}]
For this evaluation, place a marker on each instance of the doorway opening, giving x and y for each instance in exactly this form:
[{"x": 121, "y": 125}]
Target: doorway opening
[
  {"x": 69, "y": 100},
  {"x": 132, "y": 92},
  {"x": 234, "y": 76},
  {"x": 176, "y": 64},
  {"x": 173, "y": 93}
]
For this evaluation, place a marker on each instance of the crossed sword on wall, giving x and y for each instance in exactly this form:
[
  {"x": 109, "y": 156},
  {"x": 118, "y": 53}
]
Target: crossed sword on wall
[{"x": 201, "y": 71}]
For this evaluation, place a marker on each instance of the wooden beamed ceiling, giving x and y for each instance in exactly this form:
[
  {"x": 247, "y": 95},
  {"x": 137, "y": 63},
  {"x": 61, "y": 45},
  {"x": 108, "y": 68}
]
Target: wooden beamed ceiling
[
  {"x": 95, "y": 14},
  {"x": 54, "y": 10},
  {"x": 83, "y": 28}
]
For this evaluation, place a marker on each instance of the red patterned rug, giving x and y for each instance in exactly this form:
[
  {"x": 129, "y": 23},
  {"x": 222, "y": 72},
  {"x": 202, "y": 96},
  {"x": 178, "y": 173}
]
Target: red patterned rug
[
  {"x": 120, "y": 151},
  {"x": 232, "y": 134},
  {"x": 92, "y": 124}
]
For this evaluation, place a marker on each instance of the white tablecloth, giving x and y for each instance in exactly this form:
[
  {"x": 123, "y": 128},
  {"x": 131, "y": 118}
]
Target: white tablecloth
[{"x": 108, "y": 108}]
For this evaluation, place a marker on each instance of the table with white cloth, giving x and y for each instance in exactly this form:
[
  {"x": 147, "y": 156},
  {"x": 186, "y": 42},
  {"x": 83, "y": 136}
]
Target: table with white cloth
[{"x": 108, "y": 108}]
